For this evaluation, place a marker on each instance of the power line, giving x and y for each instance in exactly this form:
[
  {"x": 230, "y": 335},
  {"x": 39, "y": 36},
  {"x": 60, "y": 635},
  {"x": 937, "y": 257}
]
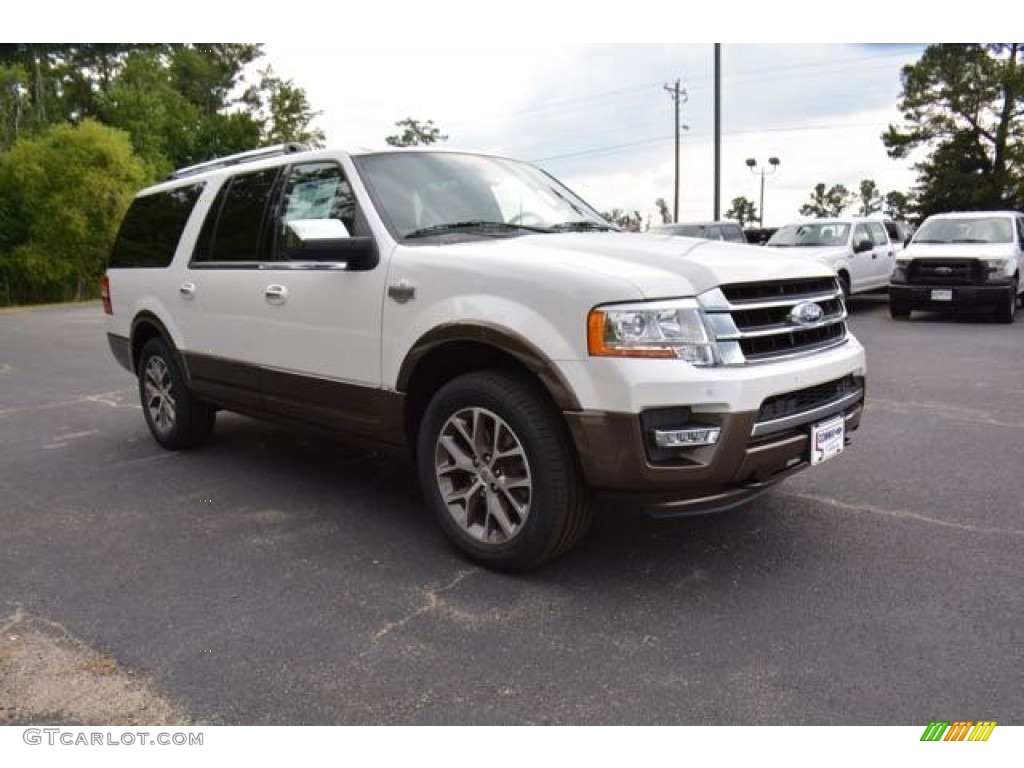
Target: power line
[
  {"x": 742, "y": 74},
  {"x": 775, "y": 129}
]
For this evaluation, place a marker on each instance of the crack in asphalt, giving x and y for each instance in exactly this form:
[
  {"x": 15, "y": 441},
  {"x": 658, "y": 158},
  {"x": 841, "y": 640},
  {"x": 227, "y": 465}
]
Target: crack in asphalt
[
  {"x": 104, "y": 398},
  {"x": 903, "y": 514},
  {"x": 432, "y": 603}
]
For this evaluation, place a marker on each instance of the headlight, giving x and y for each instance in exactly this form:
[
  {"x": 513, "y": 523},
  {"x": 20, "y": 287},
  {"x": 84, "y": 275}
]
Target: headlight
[
  {"x": 899, "y": 270},
  {"x": 998, "y": 267},
  {"x": 673, "y": 329}
]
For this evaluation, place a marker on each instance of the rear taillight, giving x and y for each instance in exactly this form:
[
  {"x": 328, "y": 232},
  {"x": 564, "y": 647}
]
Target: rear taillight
[{"x": 105, "y": 295}]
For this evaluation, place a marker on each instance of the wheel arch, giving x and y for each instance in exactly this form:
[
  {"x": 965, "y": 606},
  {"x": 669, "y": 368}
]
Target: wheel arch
[
  {"x": 455, "y": 349},
  {"x": 146, "y": 326}
]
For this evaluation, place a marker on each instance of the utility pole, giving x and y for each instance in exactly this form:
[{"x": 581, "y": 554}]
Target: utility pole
[
  {"x": 718, "y": 129},
  {"x": 679, "y": 97}
]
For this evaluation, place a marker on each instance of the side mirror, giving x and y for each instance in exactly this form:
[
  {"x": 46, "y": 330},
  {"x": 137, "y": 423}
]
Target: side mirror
[
  {"x": 359, "y": 254},
  {"x": 862, "y": 245},
  {"x": 329, "y": 241}
]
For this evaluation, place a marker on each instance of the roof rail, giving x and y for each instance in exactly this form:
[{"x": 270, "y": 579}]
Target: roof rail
[{"x": 242, "y": 157}]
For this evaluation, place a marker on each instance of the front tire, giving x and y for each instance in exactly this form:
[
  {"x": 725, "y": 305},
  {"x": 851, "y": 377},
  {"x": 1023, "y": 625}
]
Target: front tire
[
  {"x": 898, "y": 311},
  {"x": 1008, "y": 310},
  {"x": 176, "y": 418},
  {"x": 499, "y": 471}
]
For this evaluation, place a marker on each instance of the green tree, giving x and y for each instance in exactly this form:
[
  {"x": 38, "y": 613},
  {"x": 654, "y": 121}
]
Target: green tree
[
  {"x": 896, "y": 205},
  {"x": 663, "y": 211},
  {"x": 283, "y": 111},
  {"x": 826, "y": 203},
  {"x": 62, "y": 196},
  {"x": 869, "y": 199},
  {"x": 743, "y": 210},
  {"x": 629, "y": 221},
  {"x": 414, "y": 133},
  {"x": 964, "y": 105}
]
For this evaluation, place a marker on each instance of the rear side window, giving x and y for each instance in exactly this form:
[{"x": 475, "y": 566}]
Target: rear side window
[
  {"x": 733, "y": 235},
  {"x": 152, "y": 227},
  {"x": 235, "y": 229}
]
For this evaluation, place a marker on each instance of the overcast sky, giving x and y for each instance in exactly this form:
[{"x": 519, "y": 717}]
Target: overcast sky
[{"x": 598, "y": 116}]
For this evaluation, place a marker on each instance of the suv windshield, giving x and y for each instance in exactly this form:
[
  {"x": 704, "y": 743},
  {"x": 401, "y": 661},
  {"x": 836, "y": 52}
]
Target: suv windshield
[
  {"x": 966, "y": 230},
  {"x": 811, "y": 234},
  {"x": 426, "y": 194}
]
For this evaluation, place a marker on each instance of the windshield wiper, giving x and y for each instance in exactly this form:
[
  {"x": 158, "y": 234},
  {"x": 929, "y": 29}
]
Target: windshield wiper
[
  {"x": 479, "y": 225},
  {"x": 579, "y": 226},
  {"x": 941, "y": 242},
  {"x": 966, "y": 240}
]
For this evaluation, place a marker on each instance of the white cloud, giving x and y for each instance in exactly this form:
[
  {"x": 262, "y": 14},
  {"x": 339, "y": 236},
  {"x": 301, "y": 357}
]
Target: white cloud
[{"x": 598, "y": 116}]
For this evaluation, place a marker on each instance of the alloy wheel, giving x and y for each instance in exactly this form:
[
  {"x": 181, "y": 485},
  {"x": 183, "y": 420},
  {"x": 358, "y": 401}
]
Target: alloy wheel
[{"x": 483, "y": 475}]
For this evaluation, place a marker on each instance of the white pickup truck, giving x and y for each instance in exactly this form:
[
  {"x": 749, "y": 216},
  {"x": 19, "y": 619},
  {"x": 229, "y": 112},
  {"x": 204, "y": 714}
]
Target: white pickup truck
[
  {"x": 858, "y": 249},
  {"x": 474, "y": 309}
]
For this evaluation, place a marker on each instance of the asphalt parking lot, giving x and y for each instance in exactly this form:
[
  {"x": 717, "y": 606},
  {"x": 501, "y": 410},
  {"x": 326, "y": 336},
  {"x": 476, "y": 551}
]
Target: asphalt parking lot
[{"x": 274, "y": 577}]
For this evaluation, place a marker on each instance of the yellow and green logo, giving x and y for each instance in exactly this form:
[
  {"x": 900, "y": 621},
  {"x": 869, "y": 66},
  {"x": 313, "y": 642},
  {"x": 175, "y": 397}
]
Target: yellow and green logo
[{"x": 959, "y": 730}]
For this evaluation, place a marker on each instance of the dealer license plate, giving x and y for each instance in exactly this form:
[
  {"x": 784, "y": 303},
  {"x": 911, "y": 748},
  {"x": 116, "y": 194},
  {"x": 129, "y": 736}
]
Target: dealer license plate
[
  {"x": 827, "y": 439},
  {"x": 944, "y": 295}
]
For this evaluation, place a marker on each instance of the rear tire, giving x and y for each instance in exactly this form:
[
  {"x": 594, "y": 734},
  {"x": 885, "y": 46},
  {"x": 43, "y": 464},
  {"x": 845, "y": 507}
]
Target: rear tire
[
  {"x": 176, "y": 418},
  {"x": 497, "y": 467}
]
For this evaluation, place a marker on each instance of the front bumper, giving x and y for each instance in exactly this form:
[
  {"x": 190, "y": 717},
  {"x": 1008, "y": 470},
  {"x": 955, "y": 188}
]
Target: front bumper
[
  {"x": 615, "y": 456},
  {"x": 963, "y": 296}
]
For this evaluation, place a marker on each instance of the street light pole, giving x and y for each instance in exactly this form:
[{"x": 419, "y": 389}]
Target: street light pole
[{"x": 773, "y": 166}]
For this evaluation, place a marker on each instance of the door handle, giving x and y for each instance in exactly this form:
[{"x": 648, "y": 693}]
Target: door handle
[
  {"x": 276, "y": 294},
  {"x": 402, "y": 291},
  {"x": 187, "y": 291}
]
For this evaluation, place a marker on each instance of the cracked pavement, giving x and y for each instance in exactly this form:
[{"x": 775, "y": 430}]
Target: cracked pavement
[{"x": 276, "y": 577}]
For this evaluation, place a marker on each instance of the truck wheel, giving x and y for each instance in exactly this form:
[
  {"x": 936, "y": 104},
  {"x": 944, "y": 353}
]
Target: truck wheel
[
  {"x": 497, "y": 466},
  {"x": 175, "y": 417},
  {"x": 844, "y": 285},
  {"x": 898, "y": 311},
  {"x": 1008, "y": 311}
]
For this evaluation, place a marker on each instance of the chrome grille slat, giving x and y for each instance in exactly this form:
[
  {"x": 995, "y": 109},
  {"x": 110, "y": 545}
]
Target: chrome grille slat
[
  {"x": 774, "y": 330},
  {"x": 747, "y": 320}
]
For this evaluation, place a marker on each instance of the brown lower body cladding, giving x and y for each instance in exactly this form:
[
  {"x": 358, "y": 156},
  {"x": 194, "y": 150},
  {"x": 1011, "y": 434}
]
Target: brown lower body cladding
[{"x": 614, "y": 454}]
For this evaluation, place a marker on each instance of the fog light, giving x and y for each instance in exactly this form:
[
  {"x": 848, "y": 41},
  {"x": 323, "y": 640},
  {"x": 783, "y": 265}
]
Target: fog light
[{"x": 686, "y": 438}]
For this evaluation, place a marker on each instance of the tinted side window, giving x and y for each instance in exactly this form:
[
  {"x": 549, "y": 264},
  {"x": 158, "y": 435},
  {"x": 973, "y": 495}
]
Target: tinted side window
[
  {"x": 893, "y": 230},
  {"x": 152, "y": 227},
  {"x": 733, "y": 235},
  {"x": 877, "y": 233},
  {"x": 1020, "y": 231},
  {"x": 233, "y": 231}
]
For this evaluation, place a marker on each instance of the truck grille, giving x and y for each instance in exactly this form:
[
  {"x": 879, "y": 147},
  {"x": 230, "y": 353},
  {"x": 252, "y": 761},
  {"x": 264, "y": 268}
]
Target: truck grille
[
  {"x": 946, "y": 271},
  {"x": 752, "y": 322}
]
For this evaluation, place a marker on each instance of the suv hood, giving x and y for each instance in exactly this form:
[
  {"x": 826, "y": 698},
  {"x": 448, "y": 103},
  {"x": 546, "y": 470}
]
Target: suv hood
[
  {"x": 658, "y": 266},
  {"x": 820, "y": 252},
  {"x": 959, "y": 251}
]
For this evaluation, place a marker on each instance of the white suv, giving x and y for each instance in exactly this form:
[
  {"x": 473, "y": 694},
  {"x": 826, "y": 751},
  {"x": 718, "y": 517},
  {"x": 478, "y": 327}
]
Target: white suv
[
  {"x": 858, "y": 249},
  {"x": 479, "y": 312}
]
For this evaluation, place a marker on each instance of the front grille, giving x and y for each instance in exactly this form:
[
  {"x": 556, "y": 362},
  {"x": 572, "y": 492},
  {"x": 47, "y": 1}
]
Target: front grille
[
  {"x": 779, "y": 289},
  {"x": 752, "y": 322},
  {"x": 754, "y": 319},
  {"x": 793, "y": 403},
  {"x": 784, "y": 343},
  {"x": 946, "y": 271}
]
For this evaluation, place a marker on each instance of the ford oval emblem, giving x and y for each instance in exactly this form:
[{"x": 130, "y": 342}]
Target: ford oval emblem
[{"x": 806, "y": 313}]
